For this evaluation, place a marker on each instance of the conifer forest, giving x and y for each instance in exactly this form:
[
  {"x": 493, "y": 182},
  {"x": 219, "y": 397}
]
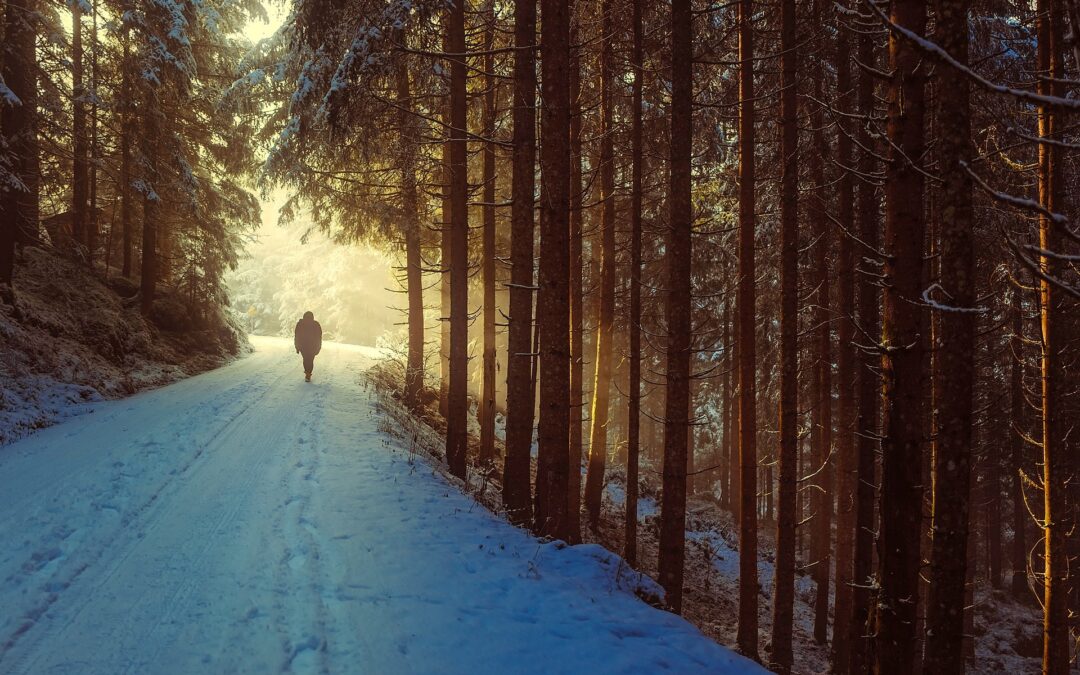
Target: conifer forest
[{"x": 804, "y": 272}]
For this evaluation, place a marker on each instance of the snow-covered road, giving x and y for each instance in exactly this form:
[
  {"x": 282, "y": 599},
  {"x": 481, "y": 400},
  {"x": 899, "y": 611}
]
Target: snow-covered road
[{"x": 244, "y": 521}]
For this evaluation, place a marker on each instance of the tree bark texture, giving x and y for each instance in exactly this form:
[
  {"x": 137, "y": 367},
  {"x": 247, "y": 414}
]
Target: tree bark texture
[
  {"x": 747, "y": 634},
  {"x": 679, "y": 327},
  {"x": 553, "y": 315},
  {"x": 784, "y": 575},
  {"x": 903, "y": 353},
  {"x": 598, "y": 432},
  {"x": 955, "y": 354},
  {"x": 457, "y": 440},
  {"x": 520, "y": 391}
]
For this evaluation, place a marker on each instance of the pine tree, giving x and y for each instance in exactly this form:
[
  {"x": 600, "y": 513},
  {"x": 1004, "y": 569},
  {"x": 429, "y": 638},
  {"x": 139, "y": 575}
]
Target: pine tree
[
  {"x": 1055, "y": 460},
  {"x": 847, "y": 462},
  {"x": 679, "y": 300},
  {"x": 487, "y": 401},
  {"x": 784, "y": 577},
  {"x": 594, "y": 480},
  {"x": 954, "y": 353},
  {"x": 748, "y": 621},
  {"x": 577, "y": 290},
  {"x": 633, "y": 436},
  {"x": 18, "y": 127},
  {"x": 457, "y": 403},
  {"x": 902, "y": 361},
  {"x": 519, "y": 382},
  {"x": 552, "y": 313}
]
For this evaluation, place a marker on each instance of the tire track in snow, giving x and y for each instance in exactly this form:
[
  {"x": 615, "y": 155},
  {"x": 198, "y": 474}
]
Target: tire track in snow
[
  {"x": 177, "y": 604},
  {"x": 301, "y": 619},
  {"x": 113, "y": 416},
  {"x": 354, "y": 606},
  {"x": 142, "y": 519}
]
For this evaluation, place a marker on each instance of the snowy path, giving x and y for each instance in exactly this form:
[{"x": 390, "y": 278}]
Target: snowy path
[{"x": 244, "y": 521}]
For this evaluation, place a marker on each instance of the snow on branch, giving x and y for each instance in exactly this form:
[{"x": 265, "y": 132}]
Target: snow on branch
[
  {"x": 244, "y": 84},
  {"x": 1044, "y": 253},
  {"x": 1042, "y": 139},
  {"x": 361, "y": 54},
  {"x": 933, "y": 49},
  {"x": 941, "y": 307},
  {"x": 1019, "y": 202},
  {"x": 1037, "y": 269},
  {"x": 178, "y": 28},
  {"x": 145, "y": 189},
  {"x": 11, "y": 182},
  {"x": 277, "y": 158},
  {"x": 7, "y": 95}
]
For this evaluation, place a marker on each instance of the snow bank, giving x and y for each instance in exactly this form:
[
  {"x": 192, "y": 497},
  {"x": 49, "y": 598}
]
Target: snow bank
[{"x": 585, "y": 609}]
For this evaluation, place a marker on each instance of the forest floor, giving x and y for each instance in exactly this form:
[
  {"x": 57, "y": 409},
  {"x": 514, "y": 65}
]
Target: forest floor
[{"x": 246, "y": 521}]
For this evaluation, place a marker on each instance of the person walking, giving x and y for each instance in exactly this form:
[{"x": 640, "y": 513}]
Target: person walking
[{"x": 307, "y": 338}]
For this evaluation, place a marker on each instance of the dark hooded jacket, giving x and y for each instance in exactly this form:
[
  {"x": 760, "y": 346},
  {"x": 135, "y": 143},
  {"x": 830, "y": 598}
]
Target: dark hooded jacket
[{"x": 308, "y": 335}]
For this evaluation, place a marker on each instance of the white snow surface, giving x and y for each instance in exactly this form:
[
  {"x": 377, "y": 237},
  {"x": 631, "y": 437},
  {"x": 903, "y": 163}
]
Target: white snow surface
[{"x": 246, "y": 521}]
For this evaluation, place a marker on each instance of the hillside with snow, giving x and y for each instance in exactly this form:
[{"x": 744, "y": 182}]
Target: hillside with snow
[{"x": 74, "y": 338}]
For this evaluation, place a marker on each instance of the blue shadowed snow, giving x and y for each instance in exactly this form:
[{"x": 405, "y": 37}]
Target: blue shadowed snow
[{"x": 244, "y": 521}]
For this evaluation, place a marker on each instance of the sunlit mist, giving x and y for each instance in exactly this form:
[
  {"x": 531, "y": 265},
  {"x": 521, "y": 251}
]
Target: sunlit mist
[
  {"x": 257, "y": 29},
  {"x": 287, "y": 270}
]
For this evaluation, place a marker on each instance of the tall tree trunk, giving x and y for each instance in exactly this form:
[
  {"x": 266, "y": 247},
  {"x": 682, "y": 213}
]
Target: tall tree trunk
[
  {"x": 633, "y": 436},
  {"x": 18, "y": 129},
  {"x": 994, "y": 520},
  {"x": 691, "y": 443},
  {"x": 519, "y": 364},
  {"x": 92, "y": 211},
  {"x": 151, "y": 200},
  {"x": 902, "y": 360},
  {"x": 747, "y": 637},
  {"x": 125, "y": 105},
  {"x": 552, "y": 313},
  {"x": 930, "y": 414},
  {"x": 414, "y": 366},
  {"x": 487, "y": 399},
  {"x": 1057, "y": 523},
  {"x": 733, "y": 439},
  {"x": 784, "y": 576},
  {"x": 79, "y": 166},
  {"x": 821, "y": 498},
  {"x": 446, "y": 235},
  {"x": 1019, "y": 465},
  {"x": 868, "y": 384},
  {"x": 414, "y": 282},
  {"x": 457, "y": 440},
  {"x": 679, "y": 305},
  {"x": 727, "y": 458},
  {"x": 967, "y": 646},
  {"x": 594, "y": 479},
  {"x": 847, "y": 460},
  {"x": 954, "y": 353},
  {"x": 577, "y": 299}
]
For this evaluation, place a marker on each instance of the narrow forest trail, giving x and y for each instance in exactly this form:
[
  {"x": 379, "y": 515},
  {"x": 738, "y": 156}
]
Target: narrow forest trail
[{"x": 245, "y": 521}]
